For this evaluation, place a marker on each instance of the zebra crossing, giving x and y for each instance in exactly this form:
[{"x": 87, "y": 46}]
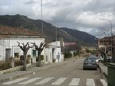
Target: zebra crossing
[{"x": 36, "y": 81}]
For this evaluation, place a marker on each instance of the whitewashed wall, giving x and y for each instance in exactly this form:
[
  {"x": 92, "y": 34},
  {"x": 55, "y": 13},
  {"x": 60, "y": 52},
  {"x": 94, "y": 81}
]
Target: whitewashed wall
[
  {"x": 48, "y": 55},
  {"x": 13, "y": 45},
  {"x": 56, "y": 54}
]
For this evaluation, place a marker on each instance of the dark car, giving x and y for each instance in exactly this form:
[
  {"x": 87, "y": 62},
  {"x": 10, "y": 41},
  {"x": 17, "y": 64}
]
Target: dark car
[{"x": 90, "y": 63}]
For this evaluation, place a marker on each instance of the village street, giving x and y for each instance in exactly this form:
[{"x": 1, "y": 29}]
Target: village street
[{"x": 68, "y": 73}]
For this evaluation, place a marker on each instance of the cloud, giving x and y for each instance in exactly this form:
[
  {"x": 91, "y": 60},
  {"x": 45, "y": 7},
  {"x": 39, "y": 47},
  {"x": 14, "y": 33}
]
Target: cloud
[{"x": 92, "y": 16}]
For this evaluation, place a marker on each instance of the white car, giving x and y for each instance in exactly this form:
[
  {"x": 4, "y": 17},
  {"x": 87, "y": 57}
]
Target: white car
[{"x": 99, "y": 59}]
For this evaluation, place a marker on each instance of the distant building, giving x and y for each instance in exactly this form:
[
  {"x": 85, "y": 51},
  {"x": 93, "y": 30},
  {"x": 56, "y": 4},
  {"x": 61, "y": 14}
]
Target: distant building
[
  {"x": 70, "y": 46},
  {"x": 106, "y": 43}
]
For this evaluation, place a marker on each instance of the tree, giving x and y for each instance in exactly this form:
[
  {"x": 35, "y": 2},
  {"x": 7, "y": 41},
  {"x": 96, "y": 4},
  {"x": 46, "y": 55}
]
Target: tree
[
  {"x": 39, "y": 50},
  {"x": 24, "y": 48}
]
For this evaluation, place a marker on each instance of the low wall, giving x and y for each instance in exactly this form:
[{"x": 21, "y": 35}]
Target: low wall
[
  {"x": 14, "y": 69},
  {"x": 103, "y": 69}
]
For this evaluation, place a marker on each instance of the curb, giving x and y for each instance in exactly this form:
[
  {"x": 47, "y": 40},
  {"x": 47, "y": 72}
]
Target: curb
[{"x": 14, "y": 77}]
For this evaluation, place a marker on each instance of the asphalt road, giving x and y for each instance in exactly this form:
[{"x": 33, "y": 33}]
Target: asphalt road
[{"x": 68, "y": 73}]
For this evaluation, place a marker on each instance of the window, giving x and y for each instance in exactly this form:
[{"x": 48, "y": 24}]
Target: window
[
  {"x": 16, "y": 55},
  {"x": 34, "y": 52},
  {"x": 8, "y": 53}
]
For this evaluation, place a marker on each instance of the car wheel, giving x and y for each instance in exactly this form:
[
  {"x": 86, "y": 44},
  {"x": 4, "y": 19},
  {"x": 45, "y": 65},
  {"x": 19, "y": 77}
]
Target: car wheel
[{"x": 84, "y": 68}]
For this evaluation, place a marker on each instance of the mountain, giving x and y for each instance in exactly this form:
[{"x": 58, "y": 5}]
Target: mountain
[
  {"x": 20, "y": 21},
  {"x": 83, "y": 37}
]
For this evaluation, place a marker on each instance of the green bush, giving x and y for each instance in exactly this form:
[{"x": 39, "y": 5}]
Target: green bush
[
  {"x": 5, "y": 65},
  {"x": 87, "y": 50},
  {"x": 91, "y": 51},
  {"x": 94, "y": 52},
  {"x": 76, "y": 53},
  {"x": 18, "y": 63},
  {"x": 67, "y": 55},
  {"x": 41, "y": 56}
]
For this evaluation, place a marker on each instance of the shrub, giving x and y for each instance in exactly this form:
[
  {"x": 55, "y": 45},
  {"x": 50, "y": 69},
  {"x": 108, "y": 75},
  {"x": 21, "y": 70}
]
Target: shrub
[
  {"x": 87, "y": 50},
  {"x": 5, "y": 65},
  {"x": 41, "y": 56},
  {"x": 17, "y": 63},
  {"x": 67, "y": 55},
  {"x": 54, "y": 60},
  {"x": 76, "y": 53}
]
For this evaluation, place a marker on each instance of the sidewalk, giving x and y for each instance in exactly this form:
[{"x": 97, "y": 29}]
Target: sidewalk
[
  {"x": 31, "y": 70},
  {"x": 103, "y": 69},
  {"x": 13, "y": 75}
]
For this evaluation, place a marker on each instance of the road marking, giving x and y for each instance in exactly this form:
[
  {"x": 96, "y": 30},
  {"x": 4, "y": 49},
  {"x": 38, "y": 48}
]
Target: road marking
[
  {"x": 14, "y": 81},
  {"x": 59, "y": 81},
  {"x": 44, "y": 81},
  {"x": 30, "y": 81},
  {"x": 103, "y": 82},
  {"x": 90, "y": 82},
  {"x": 75, "y": 81}
]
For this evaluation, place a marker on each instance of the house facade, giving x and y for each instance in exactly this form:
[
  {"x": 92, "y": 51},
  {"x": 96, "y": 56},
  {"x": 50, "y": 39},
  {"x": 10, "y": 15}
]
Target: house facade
[
  {"x": 107, "y": 44},
  {"x": 9, "y": 46},
  {"x": 54, "y": 53}
]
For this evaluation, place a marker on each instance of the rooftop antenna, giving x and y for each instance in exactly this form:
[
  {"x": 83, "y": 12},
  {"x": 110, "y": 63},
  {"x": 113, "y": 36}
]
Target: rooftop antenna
[{"x": 42, "y": 16}]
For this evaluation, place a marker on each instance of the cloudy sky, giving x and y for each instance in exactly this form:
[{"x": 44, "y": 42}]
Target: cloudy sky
[{"x": 92, "y": 16}]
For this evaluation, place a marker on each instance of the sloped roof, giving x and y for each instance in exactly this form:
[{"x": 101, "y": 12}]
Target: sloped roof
[
  {"x": 10, "y": 31},
  {"x": 70, "y": 43}
]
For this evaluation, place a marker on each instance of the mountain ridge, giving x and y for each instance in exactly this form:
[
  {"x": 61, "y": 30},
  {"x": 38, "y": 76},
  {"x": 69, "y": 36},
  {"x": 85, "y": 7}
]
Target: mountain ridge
[{"x": 67, "y": 34}]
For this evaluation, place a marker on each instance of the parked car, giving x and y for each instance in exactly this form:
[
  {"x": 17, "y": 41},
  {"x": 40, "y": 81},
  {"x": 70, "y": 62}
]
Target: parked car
[
  {"x": 99, "y": 59},
  {"x": 90, "y": 63}
]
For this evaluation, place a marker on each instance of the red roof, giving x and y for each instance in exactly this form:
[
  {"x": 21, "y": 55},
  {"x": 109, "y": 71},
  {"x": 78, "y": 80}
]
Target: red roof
[{"x": 70, "y": 43}]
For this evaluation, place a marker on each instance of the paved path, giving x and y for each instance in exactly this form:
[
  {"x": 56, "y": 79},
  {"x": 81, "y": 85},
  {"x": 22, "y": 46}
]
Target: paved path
[
  {"x": 69, "y": 73},
  {"x": 13, "y": 75}
]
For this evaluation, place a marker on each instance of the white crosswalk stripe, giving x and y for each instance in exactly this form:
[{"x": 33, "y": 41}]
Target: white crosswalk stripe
[
  {"x": 75, "y": 82},
  {"x": 90, "y": 82},
  {"x": 59, "y": 81},
  {"x": 30, "y": 81},
  {"x": 14, "y": 81},
  {"x": 44, "y": 81},
  {"x": 104, "y": 83}
]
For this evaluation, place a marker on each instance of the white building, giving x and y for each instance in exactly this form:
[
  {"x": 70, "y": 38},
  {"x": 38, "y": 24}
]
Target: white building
[
  {"x": 53, "y": 52},
  {"x": 9, "y": 46}
]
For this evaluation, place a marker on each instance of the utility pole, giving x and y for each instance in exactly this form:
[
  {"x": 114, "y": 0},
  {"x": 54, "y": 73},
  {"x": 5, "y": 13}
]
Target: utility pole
[{"x": 42, "y": 26}]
